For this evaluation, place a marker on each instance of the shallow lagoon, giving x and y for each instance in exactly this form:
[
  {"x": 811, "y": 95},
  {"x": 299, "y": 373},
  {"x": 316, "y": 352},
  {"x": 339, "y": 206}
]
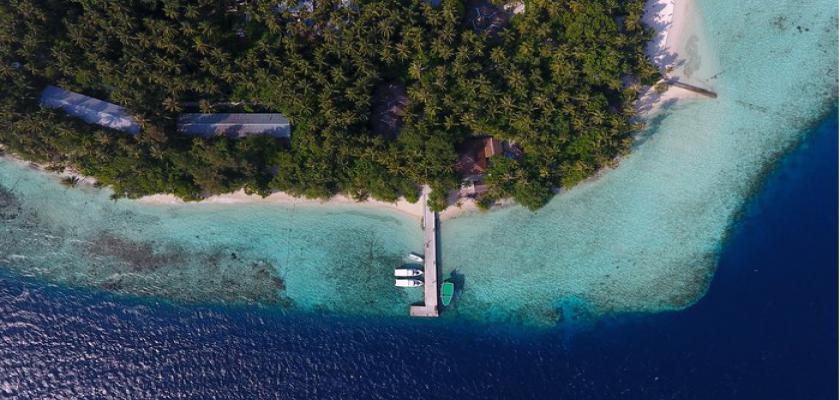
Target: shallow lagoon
[
  {"x": 766, "y": 329},
  {"x": 647, "y": 235},
  {"x": 643, "y": 237}
]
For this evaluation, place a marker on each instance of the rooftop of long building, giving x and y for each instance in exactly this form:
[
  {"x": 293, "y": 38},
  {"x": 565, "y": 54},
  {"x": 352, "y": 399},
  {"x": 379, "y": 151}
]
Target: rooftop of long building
[{"x": 234, "y": 125}]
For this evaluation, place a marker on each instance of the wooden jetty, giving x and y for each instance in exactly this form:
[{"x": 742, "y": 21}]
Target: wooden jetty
[
  {"x": 691, "y": 88},
  {"x": 430, "y": 287}
]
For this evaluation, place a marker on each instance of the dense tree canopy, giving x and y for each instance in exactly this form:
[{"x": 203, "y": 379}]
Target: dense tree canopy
[{"x": 551, "y": 81}]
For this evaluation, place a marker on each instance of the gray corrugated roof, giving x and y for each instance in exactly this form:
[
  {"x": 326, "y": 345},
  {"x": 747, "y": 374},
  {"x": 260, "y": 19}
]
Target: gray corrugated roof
[
  {"x": 89, "y": 109},
  {"x": 234, "y": 125}
]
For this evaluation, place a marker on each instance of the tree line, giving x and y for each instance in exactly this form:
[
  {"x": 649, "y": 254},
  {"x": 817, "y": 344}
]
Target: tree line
[{"x": 552, "y": 81}]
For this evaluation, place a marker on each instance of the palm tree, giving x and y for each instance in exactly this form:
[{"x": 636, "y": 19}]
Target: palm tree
[{"x": 171, "y": 105}]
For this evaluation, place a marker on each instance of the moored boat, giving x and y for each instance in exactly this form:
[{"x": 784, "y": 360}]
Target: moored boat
[
  {"x": 447, "y": 290},
  {"x": 408, "y": 283},
  {"x": 407, "y": 272},
  {"x": 414, "y": 257}
]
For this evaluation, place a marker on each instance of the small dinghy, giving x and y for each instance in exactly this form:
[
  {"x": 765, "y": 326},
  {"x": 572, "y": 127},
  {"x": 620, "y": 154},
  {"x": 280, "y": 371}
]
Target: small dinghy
[
  {"x": 447, "y": 290},
  {"x": 414, "y": 257},
  {"x": 407, "y": 272},
  {"x": 408, "y": 283}
]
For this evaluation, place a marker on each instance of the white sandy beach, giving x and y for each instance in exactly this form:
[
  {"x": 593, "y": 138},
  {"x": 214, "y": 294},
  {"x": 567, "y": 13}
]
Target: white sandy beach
[
  {"x": 668, "y": 18},
  {"x": 457, "y": 207},
  {"x": 239, "y": 197}
]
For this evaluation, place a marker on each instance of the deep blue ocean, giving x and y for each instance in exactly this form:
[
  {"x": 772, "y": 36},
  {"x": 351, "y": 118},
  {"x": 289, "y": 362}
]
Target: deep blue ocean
[{"x": 767, "y": 329}]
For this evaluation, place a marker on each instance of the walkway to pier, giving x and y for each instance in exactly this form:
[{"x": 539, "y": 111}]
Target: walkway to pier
[
  {"x": 430, "y": 286},
  {"x": 691, "y": 88}
]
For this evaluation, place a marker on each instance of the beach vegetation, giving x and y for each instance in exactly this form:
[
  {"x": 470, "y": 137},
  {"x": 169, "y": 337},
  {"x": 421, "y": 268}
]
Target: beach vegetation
[{"x": 549, "y": 79}]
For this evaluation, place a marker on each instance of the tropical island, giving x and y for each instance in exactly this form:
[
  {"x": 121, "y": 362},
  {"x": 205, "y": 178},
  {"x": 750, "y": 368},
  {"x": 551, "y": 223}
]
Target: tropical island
[
  {"x": 379, "y": 97},
  {"x": 645, "y": 236}
]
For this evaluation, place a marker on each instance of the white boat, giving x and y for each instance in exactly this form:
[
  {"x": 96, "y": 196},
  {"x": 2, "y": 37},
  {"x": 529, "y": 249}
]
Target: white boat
[
  {"x": 414, "y": 257},
  {"x": 407, "y": 272},
  {"x": 408, "y": 282}
]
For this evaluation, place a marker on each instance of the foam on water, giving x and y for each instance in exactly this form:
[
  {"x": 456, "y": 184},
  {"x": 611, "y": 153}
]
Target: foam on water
[{"x": 643, "y": 237}]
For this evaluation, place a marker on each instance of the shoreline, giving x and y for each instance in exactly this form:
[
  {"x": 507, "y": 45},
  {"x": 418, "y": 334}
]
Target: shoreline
[
  {"x": 667, "y": 17},
  {"x": 458, "y": 206},
  {"x": 283, "y": 198}
]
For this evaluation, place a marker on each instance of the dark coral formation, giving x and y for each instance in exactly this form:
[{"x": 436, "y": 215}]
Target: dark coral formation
[
  {"x": 9, "y": 205},
  {"x": 124, "y": 265},
  {"x": 139, "y": 257}
]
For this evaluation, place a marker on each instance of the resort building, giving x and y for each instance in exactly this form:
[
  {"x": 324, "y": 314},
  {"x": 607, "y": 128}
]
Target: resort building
[
  {"x": 474, "y": 156},
  {"x": 234, "y": 125},
  {"x": 389, "y": 103},
  {"x": 473, "y": 161},
  {"x": 486, "y": 17},
  {"x": 302, "y": 6},
  {"x": 89, "y": 109}
]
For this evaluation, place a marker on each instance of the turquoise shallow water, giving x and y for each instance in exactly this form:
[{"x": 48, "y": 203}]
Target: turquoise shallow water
[
  {"x": 642, "y": 237},
  {"x": 312, "y": 258},
  {"x": 646, "y": 235}
]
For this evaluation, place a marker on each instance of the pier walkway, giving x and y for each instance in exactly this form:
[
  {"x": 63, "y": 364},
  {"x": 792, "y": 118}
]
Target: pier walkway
[
  {"x": 691, "y": 88},
  {"x": 430, "y": 267}
]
